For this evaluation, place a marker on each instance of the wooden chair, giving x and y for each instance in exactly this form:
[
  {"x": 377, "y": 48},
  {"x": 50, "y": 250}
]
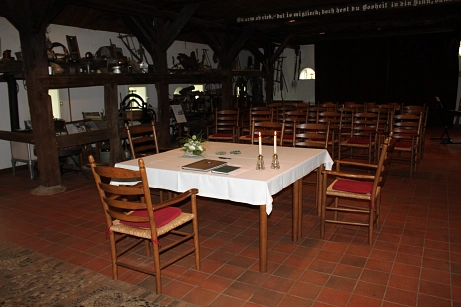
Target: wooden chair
[
  {"x": 358, "y": 107},
  {"x": 267, "y": 130},
  {"x": 363, "y": 139},
  {"x": 291, "y": 118},
  {"x": 244, "y": 133},
  {"x": 333, "y": 119},
  {"x": 226, "y": 123},
  {"x": 417, "y": 110},
  {"x": 143, "y": 142},
  {"x": 313, "y": 111},
  {"x": 132, "y": 219},
  {"x": 312, "y": 136},
  {"x": 301, "y": 106},
  {"x": 330, "y": 106},
  {"x": 407, "y": 133},
  {"x": 360, "y": 187},
  {"x": 142, "y": 139},
  {"x": 279, "y": 113},
  {"x": 345, "y": 122}
]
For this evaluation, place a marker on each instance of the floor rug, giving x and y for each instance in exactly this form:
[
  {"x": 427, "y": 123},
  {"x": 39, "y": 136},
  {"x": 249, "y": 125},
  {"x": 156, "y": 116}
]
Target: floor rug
[{"x": 32, "y": 279}]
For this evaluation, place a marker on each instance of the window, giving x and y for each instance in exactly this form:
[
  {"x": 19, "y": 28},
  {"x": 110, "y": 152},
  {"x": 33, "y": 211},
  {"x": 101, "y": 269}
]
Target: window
[
  {"x": 307, "y": 73},
  {"x": 55, "y": 103},
  {"x": 138, "y": 90}
]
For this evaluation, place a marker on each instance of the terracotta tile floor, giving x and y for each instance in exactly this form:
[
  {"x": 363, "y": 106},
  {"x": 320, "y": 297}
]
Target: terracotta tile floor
[{"x": 415, "y": 259}]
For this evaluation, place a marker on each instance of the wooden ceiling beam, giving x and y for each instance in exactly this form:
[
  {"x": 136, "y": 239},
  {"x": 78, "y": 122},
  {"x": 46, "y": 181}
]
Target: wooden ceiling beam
[
  {"x": 33, "y": 19},
  {"x": 174, "y": 28}
]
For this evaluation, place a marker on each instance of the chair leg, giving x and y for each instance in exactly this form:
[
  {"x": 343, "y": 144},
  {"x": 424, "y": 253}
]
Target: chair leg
[
  {"x": 197, "y": 245},
  {"x": 158, "y": 276},
  {"x": 336, "y": 202},
  {"x": 322, "y": 218},
  {"x": 322, "y": 203},
  {"x": 371, "y": 219},
  {"x": 378, "y": 204},
  {"x": 147, "y": 247},
  {"x": 113, "y": 254},
  {"x": 318, "y": 190}
]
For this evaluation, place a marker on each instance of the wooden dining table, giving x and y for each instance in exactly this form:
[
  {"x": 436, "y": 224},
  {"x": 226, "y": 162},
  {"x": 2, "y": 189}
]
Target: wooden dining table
[{"x": 244, "y": 185}]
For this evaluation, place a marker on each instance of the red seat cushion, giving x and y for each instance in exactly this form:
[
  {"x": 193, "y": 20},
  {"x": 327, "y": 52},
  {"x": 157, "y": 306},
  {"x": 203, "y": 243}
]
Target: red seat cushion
[
  {"x": 162, "y": 217},
  {"x": 353, "y": 186},
  {"x": 403, "y": 144},
  {"x": 221, "y": 135},
  {"x": 358, "y": 141}
]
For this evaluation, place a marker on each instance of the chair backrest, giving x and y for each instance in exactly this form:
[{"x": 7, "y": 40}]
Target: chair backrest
[
  {"x": 364, "y": 123},
  {"x": 142, "y": 139},
  {"x": 391, "y": 105},
  {"x": 261, "y": 115},
  {"x": 267, "y": 129},
  {"x": 369, "y": 105},
  {"x": 345, "y": 122},
  {"x": 313, "y": 112},
  {"x": 132, "y": 194},
  {"x": 280, "y": 112},
  {"x": 311, "y": 135},
  {"x": 226, "y": 120},
  {"x": 301, "y": 106},
  {"x": 385, "y": 116},
  {"x": 331, "y": 117},
  {"x": 358, "y": 107},
  {"x": 407, "y": 125},
  {"x": 292, "y": 118},
  {"x": 329, "y": 106},
  {"x": 412, "y": 109}
]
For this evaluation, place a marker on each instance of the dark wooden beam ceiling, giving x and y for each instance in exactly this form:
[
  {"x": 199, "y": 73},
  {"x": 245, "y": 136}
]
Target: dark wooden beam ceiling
[{"x": 337, "y": 19}]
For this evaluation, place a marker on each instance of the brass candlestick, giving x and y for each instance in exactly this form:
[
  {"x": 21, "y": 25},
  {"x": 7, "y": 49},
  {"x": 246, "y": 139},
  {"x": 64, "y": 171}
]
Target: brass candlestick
[
  {"x": 260, "y": 164},
  {"x": 275, "y": 164}
]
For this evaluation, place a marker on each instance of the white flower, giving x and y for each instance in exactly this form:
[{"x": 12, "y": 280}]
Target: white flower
[
  {"x": 194, "y": 137},
  {"x": 191, "y": 148}
]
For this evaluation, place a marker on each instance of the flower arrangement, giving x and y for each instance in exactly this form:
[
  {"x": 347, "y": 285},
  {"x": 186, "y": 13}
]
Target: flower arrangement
[{"x": 192, "y": 145}]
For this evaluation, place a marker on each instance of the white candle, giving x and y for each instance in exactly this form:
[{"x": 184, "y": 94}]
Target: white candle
[
  {"x": 260, "y": 145},
  {"x": 275, "y": 142}
]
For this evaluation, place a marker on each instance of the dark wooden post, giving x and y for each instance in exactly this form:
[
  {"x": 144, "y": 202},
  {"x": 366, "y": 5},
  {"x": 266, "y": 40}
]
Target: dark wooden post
[
  {"x": 41, "y": 113},
  {"x": 111, "y": 106},
  {"x": 31, "y": 19}
]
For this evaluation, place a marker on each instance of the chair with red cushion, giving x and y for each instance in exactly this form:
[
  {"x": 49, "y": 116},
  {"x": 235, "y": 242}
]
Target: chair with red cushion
[
  {"x": 363, "y": 140},
  {"x": 407, "y": 133},
  {"x": 132, "y": 219},
  {"x": 354, "y": 194},
  {"x": 225, "y": 126}
]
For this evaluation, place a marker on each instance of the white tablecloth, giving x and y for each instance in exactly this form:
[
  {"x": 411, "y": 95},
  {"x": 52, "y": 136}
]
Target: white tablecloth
[{"x": 247, "y": 185}]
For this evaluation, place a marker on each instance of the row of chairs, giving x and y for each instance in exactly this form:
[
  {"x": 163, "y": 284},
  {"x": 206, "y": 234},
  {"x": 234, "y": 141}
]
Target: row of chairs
[{"x": 351, "y": 133}]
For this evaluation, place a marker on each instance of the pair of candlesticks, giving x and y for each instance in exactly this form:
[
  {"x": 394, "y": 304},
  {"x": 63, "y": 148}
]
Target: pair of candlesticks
[{"x": 275, "y": 164}]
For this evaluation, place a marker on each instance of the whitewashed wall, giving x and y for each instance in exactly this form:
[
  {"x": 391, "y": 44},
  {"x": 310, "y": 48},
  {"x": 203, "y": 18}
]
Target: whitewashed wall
[
  {"x": 91, "y": 99},
  {"x": 295, "y": 89}
]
